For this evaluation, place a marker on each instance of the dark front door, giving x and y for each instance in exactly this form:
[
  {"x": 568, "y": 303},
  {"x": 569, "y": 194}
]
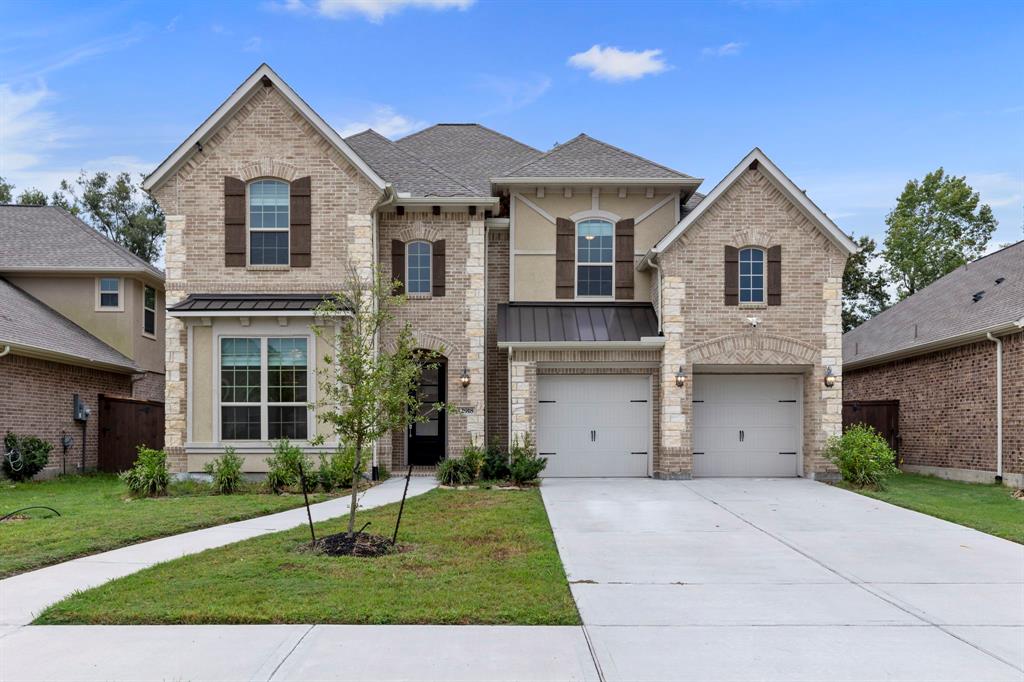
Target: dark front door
[{"x": 426, "y": 439}]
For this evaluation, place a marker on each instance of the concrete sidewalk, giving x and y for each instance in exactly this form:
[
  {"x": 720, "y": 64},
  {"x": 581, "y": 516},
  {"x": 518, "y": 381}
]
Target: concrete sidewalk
[{"x": 24, "y": 596}]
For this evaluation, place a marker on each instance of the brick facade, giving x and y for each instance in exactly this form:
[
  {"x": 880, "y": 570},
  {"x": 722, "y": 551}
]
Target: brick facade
[
  {"x": 497, "y": 358},
  {"x": 36, "y": 400},
  {"x": 149, "y": 386},
  {"x": 947, "y": 417}
]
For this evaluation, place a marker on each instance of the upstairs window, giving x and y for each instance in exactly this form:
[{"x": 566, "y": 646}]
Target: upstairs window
[
  {"x": 268, "y": 222},
  {"x": 149, "y": 311},
  {"x": 108, "y": 293},
  {"x": 595, "y": 264},
  {"x": 417, "y": 267},
  {"x": 751, "y": 275}
]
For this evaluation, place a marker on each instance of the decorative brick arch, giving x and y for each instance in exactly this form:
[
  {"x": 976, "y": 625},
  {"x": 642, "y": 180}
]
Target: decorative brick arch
[
  {"x": 752, "y": 348},
  {"x": 268, "y": 168},
  {"x": 418, "y": 230},
  {"x": 427, "y": 341}
]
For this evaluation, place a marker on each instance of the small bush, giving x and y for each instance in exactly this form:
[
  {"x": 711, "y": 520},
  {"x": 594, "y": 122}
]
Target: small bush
[
  {"x": 336, "y": 469},
  {"x": 149, "y": 476},
  {"x": 24, "y": 457},
  {"x": 453, "y": 471},
  {"x": 382, "y": 473},
  {"x": 862, "y": 455},
  {"x": 226, "y": 472},
  {"x": 495, "y": 462},
  {"x": 283, "y": 466},
  {"x": 525, "y": 465},
  {"x": 473, "y": 461}
]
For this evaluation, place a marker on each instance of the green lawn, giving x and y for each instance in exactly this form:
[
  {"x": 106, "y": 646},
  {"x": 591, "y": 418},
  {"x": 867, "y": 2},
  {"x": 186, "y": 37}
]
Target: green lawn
[
  {"x": 97, "y": 515},
  {"x": 988, "y": 508},
  {"x": 473, "y": 556}
]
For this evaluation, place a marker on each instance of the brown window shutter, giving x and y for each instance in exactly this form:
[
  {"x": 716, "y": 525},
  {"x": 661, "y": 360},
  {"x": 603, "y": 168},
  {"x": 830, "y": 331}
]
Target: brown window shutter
[
  {"x": 437, "y": 268},
  {"x": 234, "y": 222},
  {"x": 301, "y": 218},
  {"x": 565, "y": 258},
  {"x": 624, "y": 264},
  {"x": 398, "y": 264},
  {"x": 732, "y": 275},
  {"x": 775, "y": 275}
]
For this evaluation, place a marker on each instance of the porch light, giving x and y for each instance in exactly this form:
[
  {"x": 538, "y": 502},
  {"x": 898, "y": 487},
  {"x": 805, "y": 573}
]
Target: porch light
[
  {"x": 680, "y": 377},
  {"x": 830, "y": 378},
  {"x": 464, "y": 378}
]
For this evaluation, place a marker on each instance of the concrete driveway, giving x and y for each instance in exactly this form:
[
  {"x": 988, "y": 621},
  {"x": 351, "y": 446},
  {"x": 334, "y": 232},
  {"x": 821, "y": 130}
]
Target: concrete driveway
[{"x": 783, "y": 579}]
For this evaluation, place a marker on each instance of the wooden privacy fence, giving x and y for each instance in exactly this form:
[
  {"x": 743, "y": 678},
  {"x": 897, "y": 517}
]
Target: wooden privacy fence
[
  {"x": 882, "y": 415},
  {"x": 125, "y": 424}
]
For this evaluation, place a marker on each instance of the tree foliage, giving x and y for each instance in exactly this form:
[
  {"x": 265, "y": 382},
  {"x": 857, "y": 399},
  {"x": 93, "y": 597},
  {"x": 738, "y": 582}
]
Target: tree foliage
[
  {"x": 864, "y": 285},
  {"x": 32, "y": 197},
  {"x": 939, "y": 224},
  {"x": 6, "y": 191}
]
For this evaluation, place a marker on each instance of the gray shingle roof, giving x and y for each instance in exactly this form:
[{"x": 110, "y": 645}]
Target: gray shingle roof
[
  {"x": 585, "y": 157},
  {"x": 26, "y": 322},
  {"x": 541, "y": 322},
  {"x": 404, "y": 170},
  {"x": 468, "y": 151},
  {"x": 47, "y": 237},
  {"x": 945, "y": 309}
]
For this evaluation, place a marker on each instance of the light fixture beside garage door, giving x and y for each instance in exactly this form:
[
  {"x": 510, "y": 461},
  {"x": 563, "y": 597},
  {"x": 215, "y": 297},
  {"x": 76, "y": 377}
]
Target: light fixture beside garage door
[
  {"x": 830, "y": 377},
  {"x": 680, "y": 377}
]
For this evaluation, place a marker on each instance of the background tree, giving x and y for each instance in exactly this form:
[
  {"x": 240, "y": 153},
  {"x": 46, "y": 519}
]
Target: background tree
[
  {"x": 32, "y": 197},
  {"x": 367, "y": 389},
  {"x": 938, "y": 225},
  {"x": 864, "y": 293},
  {"x": 6, "y": 191}
]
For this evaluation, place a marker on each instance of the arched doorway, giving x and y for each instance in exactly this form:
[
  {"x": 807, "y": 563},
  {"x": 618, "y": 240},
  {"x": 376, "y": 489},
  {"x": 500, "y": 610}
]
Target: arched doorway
[{"x": 426, "y": 440}]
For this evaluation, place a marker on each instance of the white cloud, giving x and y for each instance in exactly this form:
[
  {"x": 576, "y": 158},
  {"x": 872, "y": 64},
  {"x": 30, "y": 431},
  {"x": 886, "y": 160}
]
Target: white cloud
[
  {"x": 613, "y": 64},
  {"x": 252, "y": 44},
  {"x": 998, "y": 190},
  {"x": 372, "y": 10},
  {"x": 727, "y": 50},
  {"x": 385, "y": 120},
  {"x": 511, "y": 94}
]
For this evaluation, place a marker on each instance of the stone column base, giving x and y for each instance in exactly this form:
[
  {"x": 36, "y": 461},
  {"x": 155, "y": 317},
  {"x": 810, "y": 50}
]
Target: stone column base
[{"x": 673, "y": 475}]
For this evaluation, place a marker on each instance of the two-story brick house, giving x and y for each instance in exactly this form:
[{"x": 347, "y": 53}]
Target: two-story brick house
[{"x": 585, "y": 297}]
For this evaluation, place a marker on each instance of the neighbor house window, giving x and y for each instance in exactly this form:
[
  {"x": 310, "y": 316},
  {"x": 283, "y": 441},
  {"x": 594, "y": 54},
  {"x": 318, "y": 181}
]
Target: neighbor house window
[
  {"x": 149, "y": 310},
  {"x": 417, "y": 267},
  {"x": 264, "y": 388},
  {"x": 751, "y": 275},
  {"x": 108, "y": 293},
  {"x": 594, "y": 259},
  {"x": 268, "y": 222}
]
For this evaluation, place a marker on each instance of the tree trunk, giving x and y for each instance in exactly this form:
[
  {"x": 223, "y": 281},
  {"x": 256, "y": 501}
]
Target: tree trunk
[{"x": 355, "y": 487}]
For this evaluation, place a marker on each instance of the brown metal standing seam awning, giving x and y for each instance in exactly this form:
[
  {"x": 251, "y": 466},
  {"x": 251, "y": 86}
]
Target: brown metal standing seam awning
[
  {"x": 575, "y": 322},
  {"x": 247, "y": 303}
]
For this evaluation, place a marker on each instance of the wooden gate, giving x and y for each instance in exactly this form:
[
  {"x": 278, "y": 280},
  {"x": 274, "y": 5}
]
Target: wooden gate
[
  {"x": 882, "y": 415},
  {"x": 125, "y": 424}
]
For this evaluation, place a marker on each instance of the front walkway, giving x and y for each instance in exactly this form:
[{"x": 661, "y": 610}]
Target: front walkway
[{"x": 783, "y": 579}]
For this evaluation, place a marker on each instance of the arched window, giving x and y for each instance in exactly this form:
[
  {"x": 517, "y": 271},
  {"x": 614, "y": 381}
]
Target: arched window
[
  {"x": 268, "y": 222},
  {"x": 595, "y": 260},
  {"x": 417, "y": 267},
  {"x": 751, "y": 275}
]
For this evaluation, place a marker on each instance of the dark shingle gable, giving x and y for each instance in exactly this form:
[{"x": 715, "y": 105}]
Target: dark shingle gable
[
  {"x": 585, "y": 157},
  {"x": 404, "y": 170}
]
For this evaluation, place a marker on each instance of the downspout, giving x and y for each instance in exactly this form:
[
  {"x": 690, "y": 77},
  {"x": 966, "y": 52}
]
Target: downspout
[
  {"x": 657, "y": 269},
  {"x": 508, "y": 398},
  {"x": 999, "y": 405},
  {"x": 389, "y": 197}
]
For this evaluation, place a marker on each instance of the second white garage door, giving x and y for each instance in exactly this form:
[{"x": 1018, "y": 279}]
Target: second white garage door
[
  {"x": 746, "y": 425},
  {"x": 594, "y": 425}
]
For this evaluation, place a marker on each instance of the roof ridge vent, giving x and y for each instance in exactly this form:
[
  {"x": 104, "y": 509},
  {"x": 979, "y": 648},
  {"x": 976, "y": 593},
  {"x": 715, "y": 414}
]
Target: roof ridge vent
[
  {"x": 978, "y": 296},
  {"x": 1000, "y": 280}
]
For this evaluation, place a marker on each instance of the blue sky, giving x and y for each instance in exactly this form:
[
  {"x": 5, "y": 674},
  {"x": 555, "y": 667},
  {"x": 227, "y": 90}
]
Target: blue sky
[{"x": 851, "y": 100}]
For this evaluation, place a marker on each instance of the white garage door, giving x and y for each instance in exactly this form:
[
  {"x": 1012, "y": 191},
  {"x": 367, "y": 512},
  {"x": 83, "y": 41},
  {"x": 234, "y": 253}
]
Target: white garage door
[
  {"x": 746, "y": 425},
  {"x": 594, "y": 425}
]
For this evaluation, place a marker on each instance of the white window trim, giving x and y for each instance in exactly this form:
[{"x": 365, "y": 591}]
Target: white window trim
[
  {"x": 264, "y": 403},
  {"x": 119, "y": 308},
  {"x": 764, "y": 276},
  {"x": 576, "y": 272},
  {"x": 156, "y": 327},
  {"x": 430, "y": 269},
  {"x": 249, "y": 229}
]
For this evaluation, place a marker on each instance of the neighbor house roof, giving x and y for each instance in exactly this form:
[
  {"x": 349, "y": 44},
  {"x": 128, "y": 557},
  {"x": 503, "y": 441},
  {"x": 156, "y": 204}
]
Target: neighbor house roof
[
  {"x": 33, "y": 328},
  {"x": 584, "y": 158},
  {"x": 408, "y": 173},
  {"x": 544, "y": 323},
  {"x": 984, "y": 296},
  {"x": 468, "y": 151},
  {"x": 34, "y": 238}
]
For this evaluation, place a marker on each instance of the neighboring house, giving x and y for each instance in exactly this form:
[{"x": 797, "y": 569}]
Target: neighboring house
[
  {"x": 79, "y": 314},
  {"x": 584, "y": 297},
  {"x": 952, "y": 355}
]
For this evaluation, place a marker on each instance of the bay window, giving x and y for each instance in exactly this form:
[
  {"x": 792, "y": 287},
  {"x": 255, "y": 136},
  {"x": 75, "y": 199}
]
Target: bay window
[{"x": 264, "y": 388}]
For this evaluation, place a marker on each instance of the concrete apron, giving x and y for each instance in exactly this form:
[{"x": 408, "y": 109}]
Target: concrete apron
[{"x": 783, "y": 579}]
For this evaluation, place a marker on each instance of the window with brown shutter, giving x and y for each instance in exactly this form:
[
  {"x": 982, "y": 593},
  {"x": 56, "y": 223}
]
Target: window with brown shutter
[
  {"x": 300, "y": 237},
  {"x": 732, "y": 275},
  {"x": 775, "y": 275},
  {"x": 437, "y": 270},
  {"x": 398, "y": 264},
  {"x": 234, "y": 222},
  {"x": 624, "y": 259},
  {"x": 565, "y": 258}
]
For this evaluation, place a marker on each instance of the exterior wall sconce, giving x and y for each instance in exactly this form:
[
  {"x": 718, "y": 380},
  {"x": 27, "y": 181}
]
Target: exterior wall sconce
[
  {"x": 464, "y": 378},
  {"x": 680, "y": 377},
  {"x": 830, "y": 378}
]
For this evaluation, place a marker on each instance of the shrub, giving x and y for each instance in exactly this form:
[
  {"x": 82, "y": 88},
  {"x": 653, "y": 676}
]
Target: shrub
[
  {"x": 453, "y": 471},
  {"x": 862, "y": 455},
  {"x": 226, "y": 472},
  {"x": 495, "y": 462},
  {"x": 24, "y": 457},
  {"x": 383, "y": 473},
  {"x": 525, "y": 466},
  {"x": 473, "y": 461},
  {"x": 336, "y": 469},
  {"x": 283, "y": 466},
  {"x": 149, "y": 476}
]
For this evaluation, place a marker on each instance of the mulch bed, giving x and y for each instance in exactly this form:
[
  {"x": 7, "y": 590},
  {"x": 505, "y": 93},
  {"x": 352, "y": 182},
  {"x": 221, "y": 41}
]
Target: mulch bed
[{"x": 361, "y": 545}]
